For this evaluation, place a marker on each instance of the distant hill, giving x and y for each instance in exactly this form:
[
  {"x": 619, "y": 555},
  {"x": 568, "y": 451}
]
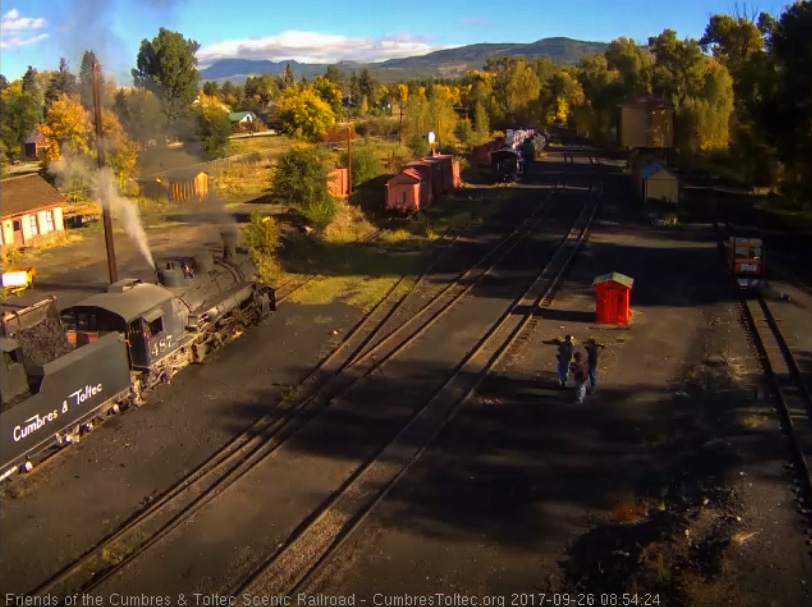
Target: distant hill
[{"x": 445, "y": 63}]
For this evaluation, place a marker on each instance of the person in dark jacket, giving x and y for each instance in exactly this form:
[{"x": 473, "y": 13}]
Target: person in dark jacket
[
  {"x": 580, "y": 374},
  {"x": 592, "y": 350},
  {"x": 564, "y": 356}
]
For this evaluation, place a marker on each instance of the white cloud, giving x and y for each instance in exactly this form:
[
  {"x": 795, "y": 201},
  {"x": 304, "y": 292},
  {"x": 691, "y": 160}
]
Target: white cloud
[
  {"x": 16, "y": 31},
  {"x": 313, "y": 47}
]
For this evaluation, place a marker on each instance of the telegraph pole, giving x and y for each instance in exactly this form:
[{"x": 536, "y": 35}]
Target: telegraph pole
[
  {"x": 400, "y": 129},
  {"x": 107, "y": 219},
  {"x": 349, "y": 160}
]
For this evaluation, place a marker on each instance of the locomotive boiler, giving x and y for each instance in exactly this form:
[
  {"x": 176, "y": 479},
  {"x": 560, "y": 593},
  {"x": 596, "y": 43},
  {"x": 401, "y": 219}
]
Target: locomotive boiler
[
  {"x": 102, "y": 354},
  {"x": 507, "y": 165}
]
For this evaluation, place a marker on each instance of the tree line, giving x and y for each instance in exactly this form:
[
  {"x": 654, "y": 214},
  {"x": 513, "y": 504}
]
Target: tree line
[{"x": 741, "y": 95}]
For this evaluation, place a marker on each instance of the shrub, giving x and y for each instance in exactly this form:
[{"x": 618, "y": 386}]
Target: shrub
[
  {"x": 418, "y": 145},
  {"x": 263, "y": 239},
  {"x": 365, "y": 166},
  {"x": 319, "y": 213}
]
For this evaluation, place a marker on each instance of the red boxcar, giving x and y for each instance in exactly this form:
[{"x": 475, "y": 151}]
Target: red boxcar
[{"x": 403, "y": 192}]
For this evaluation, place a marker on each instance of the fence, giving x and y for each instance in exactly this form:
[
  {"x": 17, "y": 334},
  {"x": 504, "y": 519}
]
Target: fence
[{"x": 223, "y": 164}]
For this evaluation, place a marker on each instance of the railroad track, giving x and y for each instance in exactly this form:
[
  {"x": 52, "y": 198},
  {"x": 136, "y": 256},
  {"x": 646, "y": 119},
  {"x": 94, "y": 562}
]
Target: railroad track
[
  {"x": 363, "y": 351},
  {"x": 791, "y": 394},
  {"x": 302, "y": 556}
]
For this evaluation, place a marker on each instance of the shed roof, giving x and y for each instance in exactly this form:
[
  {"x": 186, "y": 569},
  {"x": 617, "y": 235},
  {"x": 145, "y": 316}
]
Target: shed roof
[
  {"x": 237, "y": 116},
  {"x": 407, "y": 175},
  {"x": 130, "y": 304},
  {"x": 28, "y": 193},
  {"x": 34, "y": 137},
  {"x": 649, "y": 102},
  {"x": 653, "y": 169},
  {"x": 617, "y": 277}
]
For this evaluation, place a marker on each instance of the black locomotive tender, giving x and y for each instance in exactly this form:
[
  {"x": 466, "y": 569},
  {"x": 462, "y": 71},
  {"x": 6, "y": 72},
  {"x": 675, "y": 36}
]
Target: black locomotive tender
[{"x": 62, "y": 373}]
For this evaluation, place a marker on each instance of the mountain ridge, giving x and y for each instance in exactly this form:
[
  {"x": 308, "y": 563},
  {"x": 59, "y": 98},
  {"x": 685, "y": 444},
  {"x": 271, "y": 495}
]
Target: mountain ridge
[{"x": 446, "y": 63}]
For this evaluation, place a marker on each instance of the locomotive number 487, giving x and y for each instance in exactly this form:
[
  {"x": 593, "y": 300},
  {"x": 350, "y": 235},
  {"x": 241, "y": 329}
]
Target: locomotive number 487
[{"x": 162, "y": 346}]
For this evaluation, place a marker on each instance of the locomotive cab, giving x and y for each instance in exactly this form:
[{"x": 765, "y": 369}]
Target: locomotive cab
[{"x": 142, "y": 312}]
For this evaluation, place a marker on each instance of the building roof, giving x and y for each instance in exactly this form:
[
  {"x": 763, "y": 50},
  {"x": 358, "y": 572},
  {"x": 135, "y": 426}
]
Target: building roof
[
  {"x": 653, "y": 169},
  {"x": 621, "y": 279},
  {"x": 35, "y": 137},
  {"x": 649, "y": 102},
  {"x": 408, "y": 175},
  {"x": 21, "y": 195},
  {"x": 130, "y": 304},
  {"x": 237, "y": 116}
]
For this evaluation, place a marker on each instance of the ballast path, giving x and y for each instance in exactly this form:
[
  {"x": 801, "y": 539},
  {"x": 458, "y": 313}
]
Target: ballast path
[
  {"x": 290, "y": 567},
  {"x": 195, "y": 489},
  {"x": 263, "y": 439},
  {"x": 281, "y": 463}
]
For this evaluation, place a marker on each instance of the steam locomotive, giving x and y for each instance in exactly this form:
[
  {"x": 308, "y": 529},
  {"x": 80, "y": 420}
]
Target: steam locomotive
[
  {"x": 59, "y": 373},
  {"x": 507, "y": 165}
]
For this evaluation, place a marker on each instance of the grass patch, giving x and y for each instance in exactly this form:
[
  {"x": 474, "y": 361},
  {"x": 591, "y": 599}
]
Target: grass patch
[
  {"x": 245, "y": 179},
  {"x": 322, "y": 320},
  {"x": 265, "y": 144},
  {"x": 296, "y": 394}
]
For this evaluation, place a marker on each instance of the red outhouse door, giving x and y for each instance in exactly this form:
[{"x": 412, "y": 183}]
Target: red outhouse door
[{"x": 609, "y": 304}]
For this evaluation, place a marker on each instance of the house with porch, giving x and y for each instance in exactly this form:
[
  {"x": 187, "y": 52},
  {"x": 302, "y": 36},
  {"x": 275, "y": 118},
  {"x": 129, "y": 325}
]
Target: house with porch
[{"x": 31, "y": 210}]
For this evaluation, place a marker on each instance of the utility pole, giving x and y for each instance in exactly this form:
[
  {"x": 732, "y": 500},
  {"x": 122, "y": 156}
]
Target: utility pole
[
  {"x": 349, "y": 160},
  {"x": 400, "y": 129},
  {"x": 107, "y": 219}
]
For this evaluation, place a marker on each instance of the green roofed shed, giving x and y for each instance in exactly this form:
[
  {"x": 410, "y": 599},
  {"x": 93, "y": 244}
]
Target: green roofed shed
[
  {"x": 241, "y": 116},
  {"x": 617, "y": 277},
  {"x": 612, "y": 296}
]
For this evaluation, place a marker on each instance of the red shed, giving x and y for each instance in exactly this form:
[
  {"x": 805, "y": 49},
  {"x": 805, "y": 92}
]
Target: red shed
[
  {"x": 426, "y": 172},
  {"x": 337, "y": 183},
  {"x": 436, "y": 176},
  {"x": 612, "y": 295},
  {"x": 403, "y": 192},
  {"x": 447, "y": 162}
]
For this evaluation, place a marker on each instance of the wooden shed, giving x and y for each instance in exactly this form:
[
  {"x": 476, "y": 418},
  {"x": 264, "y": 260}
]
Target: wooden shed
[
  {"x": 426, "y": 172},
  {"x": 658, "y": 183},
  {"x": 646, "y": 122},
  {"x": 338, "y": 183},
  {"x": 403, "y": 192},
  {"x": 31, "y": 210},
  {"x": 447, "y": 163},
  {"x": 612, "y": 297},
  {"x": 187, "y": 184}
]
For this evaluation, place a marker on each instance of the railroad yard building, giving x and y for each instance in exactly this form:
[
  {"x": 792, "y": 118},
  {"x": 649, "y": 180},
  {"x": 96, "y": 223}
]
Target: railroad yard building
[{"x": 32, "y": 209}]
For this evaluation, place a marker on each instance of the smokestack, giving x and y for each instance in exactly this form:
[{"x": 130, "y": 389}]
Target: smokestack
[
  {"x": 229, "y": 245},
  {"x": 107, "y": 219}
]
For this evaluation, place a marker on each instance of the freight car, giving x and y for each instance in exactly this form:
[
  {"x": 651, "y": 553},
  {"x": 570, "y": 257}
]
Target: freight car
[
  {"x": 105, "y": 352},
  {"x": 506, "y": 164}
]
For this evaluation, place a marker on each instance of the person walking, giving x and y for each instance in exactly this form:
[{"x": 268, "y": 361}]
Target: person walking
[
  {"x": 580, "y": 374},
  {"x": 592, "y": 350},
  {"x": 564, "y": 357}
]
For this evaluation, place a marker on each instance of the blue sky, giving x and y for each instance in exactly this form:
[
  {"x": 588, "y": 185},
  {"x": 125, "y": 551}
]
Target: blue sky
[{"x": 39, "y": 32}]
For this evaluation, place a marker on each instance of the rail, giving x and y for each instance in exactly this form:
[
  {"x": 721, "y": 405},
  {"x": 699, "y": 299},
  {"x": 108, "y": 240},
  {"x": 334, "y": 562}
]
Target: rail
[
  {"x": 293, "y": 565},
  {"x": 792, "y": 398},
  {"x": 268, "y": 433}
]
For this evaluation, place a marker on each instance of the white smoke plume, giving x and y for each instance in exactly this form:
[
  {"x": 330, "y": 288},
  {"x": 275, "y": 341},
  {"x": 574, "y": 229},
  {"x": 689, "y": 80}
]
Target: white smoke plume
[
  {"x": 123, "y": 209},
  {"x": 76, "y": 171}
]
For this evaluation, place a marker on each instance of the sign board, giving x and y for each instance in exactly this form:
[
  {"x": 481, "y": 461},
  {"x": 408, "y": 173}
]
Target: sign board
[
  {"x": 431, "y": 137},
  {"x": 74, "y": 388},
  {"x": 15, "y": 279}
]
